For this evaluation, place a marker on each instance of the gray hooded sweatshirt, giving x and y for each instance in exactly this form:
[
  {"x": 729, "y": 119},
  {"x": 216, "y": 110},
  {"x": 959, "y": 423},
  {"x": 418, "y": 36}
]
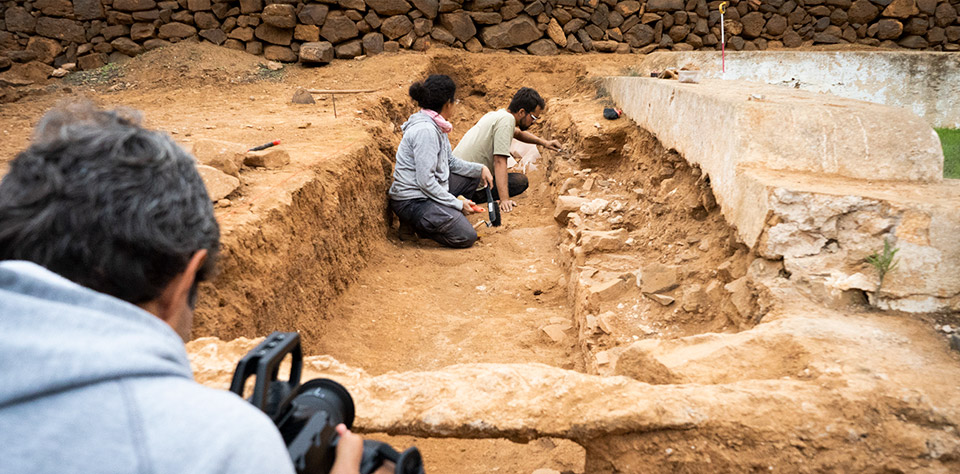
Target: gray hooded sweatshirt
[
  {"x": 94, "y": 384},
  {"x": 424, "y": 164}
]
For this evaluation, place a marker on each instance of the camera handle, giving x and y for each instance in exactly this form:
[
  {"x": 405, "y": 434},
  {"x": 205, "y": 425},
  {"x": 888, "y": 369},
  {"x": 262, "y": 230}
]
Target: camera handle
[
  {"x": 264, "y": 362},
  {"x": 375, "y": 453}
]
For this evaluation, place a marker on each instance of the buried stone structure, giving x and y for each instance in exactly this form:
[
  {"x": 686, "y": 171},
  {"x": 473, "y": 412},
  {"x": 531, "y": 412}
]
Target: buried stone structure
[
  {"x": 819, "y": 182},
  {"x": 794, "y": 383},
  {"x": 91, "y": 33}
]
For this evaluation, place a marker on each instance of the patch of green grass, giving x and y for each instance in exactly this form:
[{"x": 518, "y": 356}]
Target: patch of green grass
[
  {"x": 950, "y": 139},
  {"x": 101, "y": 75}
]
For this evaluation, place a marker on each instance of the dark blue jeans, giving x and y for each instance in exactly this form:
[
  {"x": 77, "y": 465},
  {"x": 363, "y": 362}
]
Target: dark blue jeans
[
  {"x": 430, "y": 219},
  {"x": 517, "y": 183}
]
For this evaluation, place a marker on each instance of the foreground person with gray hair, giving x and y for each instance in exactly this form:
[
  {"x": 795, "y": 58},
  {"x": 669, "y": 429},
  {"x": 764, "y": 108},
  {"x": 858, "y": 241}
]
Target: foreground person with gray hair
[{"x": 105, "y": 231}]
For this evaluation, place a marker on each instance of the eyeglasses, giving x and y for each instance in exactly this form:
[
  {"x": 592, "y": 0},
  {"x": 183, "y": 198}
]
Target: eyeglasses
[{"x": 534, "y": 117}]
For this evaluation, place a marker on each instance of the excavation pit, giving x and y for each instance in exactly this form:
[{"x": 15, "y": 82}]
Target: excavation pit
[{"x": 673, "y": 346}]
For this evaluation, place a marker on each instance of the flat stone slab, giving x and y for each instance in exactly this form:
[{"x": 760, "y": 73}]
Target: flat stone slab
[{"x": 926, "y": 83}]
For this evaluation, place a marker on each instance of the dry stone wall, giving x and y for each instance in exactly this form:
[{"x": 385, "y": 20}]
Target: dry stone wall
[{"x": 92, "y": 32}]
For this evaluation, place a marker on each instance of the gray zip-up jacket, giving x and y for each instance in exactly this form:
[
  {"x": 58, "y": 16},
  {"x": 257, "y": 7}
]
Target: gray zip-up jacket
[
  {"x": 94, "y": 384},
  {"x": 424, "y": 163}
]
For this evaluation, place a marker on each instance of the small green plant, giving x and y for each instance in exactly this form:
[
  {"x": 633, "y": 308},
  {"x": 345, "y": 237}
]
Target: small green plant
[
  {"x": 950, "y": 139},
  {"x": 884, "y": 262}
]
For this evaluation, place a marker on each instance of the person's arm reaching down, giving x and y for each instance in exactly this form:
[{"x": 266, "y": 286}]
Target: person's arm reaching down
[{"x": 527, "y": 137}]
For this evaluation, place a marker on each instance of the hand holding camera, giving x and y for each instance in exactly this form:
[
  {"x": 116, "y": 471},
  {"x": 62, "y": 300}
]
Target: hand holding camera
[{"x": 313, "y": 418}]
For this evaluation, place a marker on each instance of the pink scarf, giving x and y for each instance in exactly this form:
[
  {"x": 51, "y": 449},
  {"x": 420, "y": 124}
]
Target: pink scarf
[{"x": 445, "y": 127}]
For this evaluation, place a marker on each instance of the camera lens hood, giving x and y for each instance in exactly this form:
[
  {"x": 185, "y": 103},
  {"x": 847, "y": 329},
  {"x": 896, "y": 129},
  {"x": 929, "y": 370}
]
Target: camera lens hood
[{"x": 329, "y": 396}]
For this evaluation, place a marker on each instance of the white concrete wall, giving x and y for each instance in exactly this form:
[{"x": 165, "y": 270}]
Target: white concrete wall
[
  {"x": 926, "y": 83},
  {"x": 816, "y": 180}
]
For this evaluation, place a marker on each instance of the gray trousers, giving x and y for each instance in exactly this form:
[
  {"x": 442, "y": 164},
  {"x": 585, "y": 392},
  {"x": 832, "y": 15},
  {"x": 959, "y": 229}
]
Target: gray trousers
[{"x": 430, "y": 219}]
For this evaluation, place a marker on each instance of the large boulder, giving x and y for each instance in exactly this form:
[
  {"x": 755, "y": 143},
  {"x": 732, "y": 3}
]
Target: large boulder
[
  {"x": 219, "y": 184},
  {"x": 127, "y": 46},
  {"x": 316, "y": 52},
  {"x": 396, "y": 26},
  {"x": 640, "y": 36},
  {"x": 753, "y": 24},
  {"x": 459, "y": 24},
  {"x": 55, "y": 7},
  {"x": 114, "y": 31},
  {"x": 273, "y": 35},
  {"x": 313, "y": 14},
  {"x": 349, "y": 50},
  {"x": 241, "y": 34},
  {"x": 214, "y": 35},
  {"x": 372, "y": 43},
  {"x": 664, "y": 5},
  {"x": 544, "y": 47},
  {"x": 88, "y": 9},
  {"x": 279, "y": 53},
  {"x": 389, "y": 7},
  {"x": 901, "y": 9},
  {"x": 134, "y": 5},
  {"x": 91, "y": 61},
  {"x": 222, "y": 155},
  {"x": 555, "y": 32},
  {"x": 338, "y": 28},
  {"x": 519, "y": 31},
  {"x": 279, "y": 15},
  {"x": 946, "y": 14},
  {"x": 61, "y": 29},
  {"x": 889, "y": 28},
  {"x": 442, "y": 36},
  {"x": 205, "y": 20},
  {"x": 251, "y": 6},
  {"x": 198, "y": 5},
  {"x": 359, "y": 5},
  {"x": 627, "y": 8},
  {"x": 306, "y": 33},
  {"x": 776, "y": 25},
  {"x": 176, "y": 30},
  {"x": 18, "y": 20},
  {"x": 429, "y": 8},
  {"x": 862, "y": 12},
  {"x": 46, "y": 49}
]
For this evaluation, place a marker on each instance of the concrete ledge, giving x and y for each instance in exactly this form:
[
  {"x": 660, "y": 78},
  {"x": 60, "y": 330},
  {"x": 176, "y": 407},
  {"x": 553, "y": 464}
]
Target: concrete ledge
[
  {"x": 816, "y": 180},
  {"x": 926, "y": 83}
]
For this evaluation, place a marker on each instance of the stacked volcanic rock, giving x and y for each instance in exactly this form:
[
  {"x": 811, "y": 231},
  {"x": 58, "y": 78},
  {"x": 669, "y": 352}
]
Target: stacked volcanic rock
[{"x": 90, "y": 33}]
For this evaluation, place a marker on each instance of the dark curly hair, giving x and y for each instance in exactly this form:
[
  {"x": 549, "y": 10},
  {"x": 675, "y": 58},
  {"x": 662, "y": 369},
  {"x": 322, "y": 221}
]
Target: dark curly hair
[{"x": 433, "y": 93}]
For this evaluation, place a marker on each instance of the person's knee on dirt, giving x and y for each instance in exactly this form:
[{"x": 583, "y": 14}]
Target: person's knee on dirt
[
  {"x": 488, "y": 142},
  {"x": 106, "y": 229},
  {"x": 428, "y": 177}
]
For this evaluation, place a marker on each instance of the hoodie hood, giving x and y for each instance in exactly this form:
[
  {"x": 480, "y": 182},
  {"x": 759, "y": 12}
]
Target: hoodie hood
[{"x": 58, "y": 336}]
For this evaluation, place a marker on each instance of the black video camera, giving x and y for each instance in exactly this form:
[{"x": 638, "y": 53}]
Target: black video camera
[{"x": 307, "y": 415}]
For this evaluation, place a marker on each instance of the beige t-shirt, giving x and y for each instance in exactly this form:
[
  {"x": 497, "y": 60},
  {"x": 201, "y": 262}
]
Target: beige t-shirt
[{"x": 490, "y": 136}]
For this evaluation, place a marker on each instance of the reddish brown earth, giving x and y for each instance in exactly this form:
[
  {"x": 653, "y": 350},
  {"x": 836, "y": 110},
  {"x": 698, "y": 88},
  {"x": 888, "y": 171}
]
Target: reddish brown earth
[{"x": 310, "y": 247}]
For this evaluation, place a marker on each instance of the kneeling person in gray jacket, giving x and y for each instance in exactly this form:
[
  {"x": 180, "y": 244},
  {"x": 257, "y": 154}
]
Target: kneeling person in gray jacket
[{"x": 427, "y": 178}]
